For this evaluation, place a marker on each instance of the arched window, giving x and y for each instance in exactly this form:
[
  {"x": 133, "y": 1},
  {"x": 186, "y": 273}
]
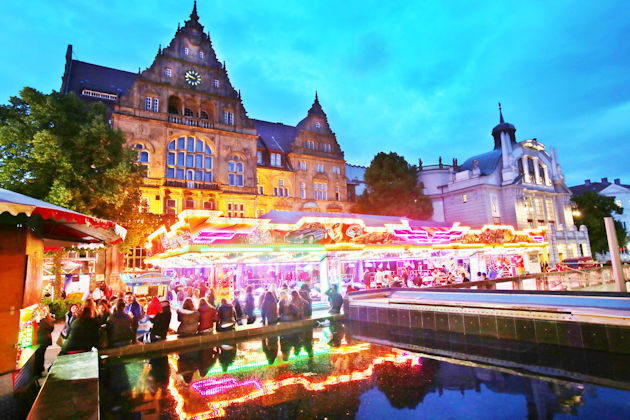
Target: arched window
[
  {"x": 174, "y": 105},
  {"x": 235, "y": 171},
  {"x": 143, "y": 153},
  {"x": 189, "y": 158}
]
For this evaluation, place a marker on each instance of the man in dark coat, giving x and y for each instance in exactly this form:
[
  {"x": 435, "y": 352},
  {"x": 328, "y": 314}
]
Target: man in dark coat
[
  {"x": 120, "y": 327},
  {"x": 237, "y": 307},
  {"x": 161, "y": 321},
  {"x": 305, "y": 294},
  {"x": 335, "y": 299}
]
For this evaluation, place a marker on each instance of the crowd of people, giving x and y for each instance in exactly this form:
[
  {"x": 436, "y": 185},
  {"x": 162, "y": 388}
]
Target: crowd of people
[{"x": 123, "y": 320}]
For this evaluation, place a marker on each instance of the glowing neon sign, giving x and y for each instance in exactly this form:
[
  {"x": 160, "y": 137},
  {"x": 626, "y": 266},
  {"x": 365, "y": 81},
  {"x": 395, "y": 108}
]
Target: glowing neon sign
[{"x": 208, "y": 387}]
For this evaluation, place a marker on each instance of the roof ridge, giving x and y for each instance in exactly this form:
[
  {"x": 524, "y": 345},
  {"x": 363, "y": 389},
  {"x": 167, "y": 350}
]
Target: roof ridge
[{"x": 105, "y": 67}]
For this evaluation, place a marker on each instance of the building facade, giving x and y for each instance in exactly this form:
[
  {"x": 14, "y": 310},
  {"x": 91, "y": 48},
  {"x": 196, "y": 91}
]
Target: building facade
[
  {"x": 201, "y": 149},
  {"x": 620, "y": 192},
  {"x": 517, "y": 183}
]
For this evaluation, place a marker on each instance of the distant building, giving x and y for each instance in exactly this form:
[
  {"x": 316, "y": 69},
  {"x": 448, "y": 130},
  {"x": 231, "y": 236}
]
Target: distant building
[
  {"x": 620, "y": 192},
  {"x": 516, "y": 183}
]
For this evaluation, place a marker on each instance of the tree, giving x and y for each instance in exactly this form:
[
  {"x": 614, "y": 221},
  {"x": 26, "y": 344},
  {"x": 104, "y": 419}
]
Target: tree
[
  {"x": 592, "y": 210},
  {"x": 57, "y": 148},
  {"x": 393, "y": 189}
]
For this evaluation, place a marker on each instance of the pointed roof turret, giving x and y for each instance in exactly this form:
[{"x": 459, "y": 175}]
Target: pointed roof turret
[
  {"x": 502, "y": 127},
  {"x": 193, "y": 14},
  {"x": 316, "y": 108}
]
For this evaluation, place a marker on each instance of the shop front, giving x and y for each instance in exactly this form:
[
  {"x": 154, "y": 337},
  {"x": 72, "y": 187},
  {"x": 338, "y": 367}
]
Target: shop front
[{"x": 347, "y": 250}]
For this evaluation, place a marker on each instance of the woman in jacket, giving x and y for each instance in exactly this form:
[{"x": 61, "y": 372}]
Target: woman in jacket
[
  {"x": 84, "y": 332},
  {"x": 45, "y": 328},
  {"x": 71, "y": 315},
  {"x": 227, "y": 316},
  {"x": 269, "y": 309},
  {"x": 299, "y": 304},
  {"x": 286, "y": 310},
  {"x": 188, "y": 319},
  {"x": 207, "y": 316},
  {"x": 119, "y": 326}
]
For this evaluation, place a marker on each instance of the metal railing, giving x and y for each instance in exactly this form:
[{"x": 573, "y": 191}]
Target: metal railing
[{"x": 597, "y": 279}]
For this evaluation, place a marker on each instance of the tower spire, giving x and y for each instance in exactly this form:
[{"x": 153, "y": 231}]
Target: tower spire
[
  {"x": 194, "y": 15},
  {"x": 501, "y": 121}
]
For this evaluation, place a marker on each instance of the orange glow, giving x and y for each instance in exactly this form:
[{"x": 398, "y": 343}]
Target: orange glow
[{"x": 217, "y": 408}]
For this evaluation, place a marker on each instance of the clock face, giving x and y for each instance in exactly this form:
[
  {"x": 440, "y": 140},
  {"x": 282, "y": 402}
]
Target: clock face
[{"x": 192, "y": 78}]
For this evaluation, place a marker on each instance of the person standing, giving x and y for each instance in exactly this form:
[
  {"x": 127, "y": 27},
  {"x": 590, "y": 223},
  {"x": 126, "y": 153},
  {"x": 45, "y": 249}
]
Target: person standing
[
  {"x": 84, "y": 332},
  {"x": 207, "y": 317},
  {"x": 133, "y": 308},
  {"x": 119, "y": 326},
  {"x": 250, "y": 305},
  {"x": 71, "y": 315},
  {"x": 305, "y": 294},
  {"x": 335, "y": 299},
  {"x": 161, "y": 319},
  {"x": 269, "y": 309},
  {"x": 227, "y": 316},
  {"x": 237, "y": 307},
  {"x": 45, "y": 328},
  {"x": 211, "y": 299},
  {"x": 188, "y": 319},
  {"x": 299, "y": 304}
]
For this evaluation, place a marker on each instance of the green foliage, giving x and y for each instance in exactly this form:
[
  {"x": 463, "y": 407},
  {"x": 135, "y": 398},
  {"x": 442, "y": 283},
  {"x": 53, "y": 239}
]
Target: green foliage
[
  {"x": 59, "y": 307},
  {"x": 593, "y": 208},
  {"x": 393, "y": 189},
  {"x": 57, "y": 148}
]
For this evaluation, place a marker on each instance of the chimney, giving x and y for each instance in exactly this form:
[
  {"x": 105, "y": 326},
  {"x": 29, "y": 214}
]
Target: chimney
[
  {"x": 605, "y": 181},
  {"x": 587, "y": 182}
]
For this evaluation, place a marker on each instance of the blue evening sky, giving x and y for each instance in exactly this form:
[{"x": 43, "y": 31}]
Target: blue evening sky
[{"x": 421, "y": 78}]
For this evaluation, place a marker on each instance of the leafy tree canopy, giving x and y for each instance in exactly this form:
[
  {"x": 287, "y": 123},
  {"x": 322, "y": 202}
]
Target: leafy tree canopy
[
  {"x": 593, "y": 208},
  {"x": 393, "y": 189},
  {"x": 59, "y": 149}
]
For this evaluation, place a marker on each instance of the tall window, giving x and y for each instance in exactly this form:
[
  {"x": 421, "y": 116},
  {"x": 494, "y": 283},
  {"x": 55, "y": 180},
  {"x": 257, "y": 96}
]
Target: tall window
[
  {"x": 235, "y": 171},
  {"x": 302, "y": 165},
  {"x": 203, "y": 114},
  {"x": 171, "y": 207},
  {"x": 235, "y": 210},
  {"x": 281, "y": 190},
  {"x": 151, "y": 104},
  {"x": 189, "y": 203},
  {"x": 189, "y": 158},
  {"x": 143, "y": 154},
  {"x": 337, "y": 194},
  {"x": 319, "y": 167},
  {"x": 135, "y": 258},
  {"x": 302, "y": 191},
  {"x": 168, "y": 72},
  {"x": 310, "y": 145},
  {"x": 336, "y": 170},
  {"x": 201, "y": 54},
  {"x": 216, "y": 83},
  {"x": 326, "y": 147},
  {"x": 275, "y": 159},
  {"x": 186, "y": 51},
  {"x": 321, "y": 191},
  {"x": 208, "y": 205},
  {"x": 228, "y": 118},
  {"x": 259, "y": 158}
]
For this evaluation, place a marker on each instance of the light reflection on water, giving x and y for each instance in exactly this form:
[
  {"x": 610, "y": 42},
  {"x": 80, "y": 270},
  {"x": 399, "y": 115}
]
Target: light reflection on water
[{"x": 324, "y": 373}]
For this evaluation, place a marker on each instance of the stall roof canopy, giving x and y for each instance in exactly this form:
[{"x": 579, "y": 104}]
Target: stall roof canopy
[
  {"x": 293, "y": 217},
  {"x": 61, "y": 226}
]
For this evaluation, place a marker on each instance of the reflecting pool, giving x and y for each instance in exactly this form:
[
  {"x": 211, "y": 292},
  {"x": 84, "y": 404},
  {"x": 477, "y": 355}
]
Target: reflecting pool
[{"x": 340, "y": 372}]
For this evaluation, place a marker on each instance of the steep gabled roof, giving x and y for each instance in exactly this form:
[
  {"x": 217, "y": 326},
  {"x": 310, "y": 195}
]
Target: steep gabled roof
[
  {"x": 102, "y": 79},
  {"x": 275, "y": 136}
]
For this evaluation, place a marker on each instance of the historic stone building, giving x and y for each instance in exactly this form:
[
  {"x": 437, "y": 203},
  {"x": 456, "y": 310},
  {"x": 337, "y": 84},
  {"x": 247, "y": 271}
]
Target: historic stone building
[
  {"x": 517, "y": 183},
  {"x": 201, "y": 149}
]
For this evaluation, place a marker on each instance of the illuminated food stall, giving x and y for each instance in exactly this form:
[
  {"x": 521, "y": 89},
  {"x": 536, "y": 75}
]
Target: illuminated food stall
[
  {"x": 147, "y": 284},
  {"x": 338, "y": 248},
  {"x": 28, "y": 227}
]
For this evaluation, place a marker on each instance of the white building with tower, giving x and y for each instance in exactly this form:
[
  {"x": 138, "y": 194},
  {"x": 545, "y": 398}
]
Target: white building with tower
[{"x": 516, "y": 183}]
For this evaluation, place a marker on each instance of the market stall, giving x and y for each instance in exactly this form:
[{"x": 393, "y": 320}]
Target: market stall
[
  {"x": 28, "y": 227},
  {"x": 320, "y": 249}
]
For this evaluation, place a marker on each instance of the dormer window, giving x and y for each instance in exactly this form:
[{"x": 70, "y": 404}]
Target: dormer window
[
  {"x": 186, "y": 51},
  {"x": 259, "y": 157},
  {"x": 204, "y": 115},
  {"x": 316, "y": 124},
  {"x": 168, "y": 72},
  {"x": 326, "y": 147},
  {"x": 228, "y": 118},
  {"x": 216, "y": 84},
  {"x": 275, "y": 159},
  {"x": 201, "y": 54},
  {"x": 310, "y": 145},
  {"x": 302, "y": 165}
]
